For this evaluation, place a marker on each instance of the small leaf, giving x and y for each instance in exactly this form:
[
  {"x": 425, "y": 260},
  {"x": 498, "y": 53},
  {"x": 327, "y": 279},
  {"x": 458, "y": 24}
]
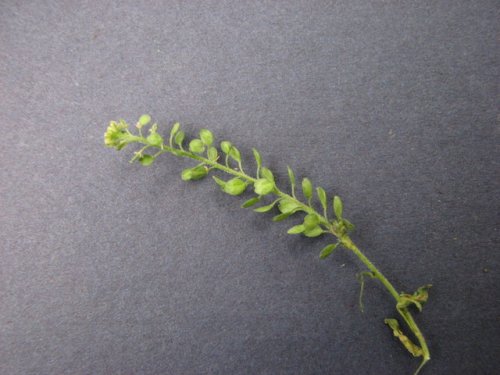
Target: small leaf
[
  {"x": 235, "y": 154},
  {"x": 226, "y": 146},
  {"x": 219, "y": 182},
  {"x": 314, "y": 232},
  {"x": 212, "y": 154},
  {"x": 267, "y": 208},
  {"x": 418, "y": 298},
  {"x": 322, "y": 197},
  {"x": 328, "y": 250},
  {"x": 311, "y": 221},
  {"x": 267, "y": 174},
  {"x": 195, "y": 173},
  {"x": 250, "y": 202},
  {"x": 281, "y": 217},
  {"x": 288, "y": 206},
  {"x": 175, "y": 129},
  {"x": 297, "y": 229},
  {"x": 337, "y": 207},
  {"x": 146, "y": 160},
  {"x": 206, "y": 137},
  {"x": 197, "y": 146},
  {"x": 144, "y": 120},
  {"x": 307, "y": 188},
  {"x": 235, "y": 186},
  {"x": 291, "y": 176},
  {"x": 263, "y": 186},
  {"x": 349, "y": 226},
  {"x": 154, "y": 139},
  {"x": 173, "y": 132},
  {"x": 179, "y": 138},
  {"x": 258, "y": 158}
]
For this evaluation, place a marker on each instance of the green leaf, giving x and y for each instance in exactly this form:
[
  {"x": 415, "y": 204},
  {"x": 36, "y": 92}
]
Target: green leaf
[
  {"x": 235, "y": 154},
  {"x": 250, "y": 202},
  {"x": 226, "y": 146},
  {"x": 349, "y": 226},
  {"x": 311, "y": 221},
  {"x": 418, "y": 298},
  {"x": 258, "y": 158},
  {"x": 154, "y": 139},
  {"x": 206, "y": 137},
  {"x": 179, "y": 138},
  {"x": 307, "y": 188},
  {"x": 196, "y": 146},
  {"x": 288, "y": 206},
  {"x": 146, "y": 160},
  {"x": 267, "y": 208},
  {"x": 263, "y": 186},
  {"x": 144, "y": 120},
  {"x": 235, "y": 186},
  {"x": 281, "y": 217},
  {"x": 212, "y": 154},
  {"x": 219, "y": 182},
  {"x": 175, "y": 129},
  {"x": 322, "y": 197},
  {"x": 314, "y": 232},
  {"x": 291, "y": 176},
  {"x": 297, "y": 229},
  {"x": 327, "y": 250},
  {"x": 267, "y": 174},
  {"x": 337, "y": 207},
  {"x": 195, "y": 173},
  {"x": 173, "y": 132}
]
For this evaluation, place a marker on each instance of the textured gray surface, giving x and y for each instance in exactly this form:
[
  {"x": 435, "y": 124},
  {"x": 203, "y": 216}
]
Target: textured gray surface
[{"x": 110, "y": 268}]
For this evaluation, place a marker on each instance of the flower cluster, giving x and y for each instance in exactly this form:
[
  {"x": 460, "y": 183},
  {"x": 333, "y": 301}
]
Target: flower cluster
[{"x": 117, "y": 135}]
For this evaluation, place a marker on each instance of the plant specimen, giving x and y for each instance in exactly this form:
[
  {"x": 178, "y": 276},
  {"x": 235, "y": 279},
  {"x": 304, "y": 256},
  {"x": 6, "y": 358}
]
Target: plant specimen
[{"x": 315, "y": 222}]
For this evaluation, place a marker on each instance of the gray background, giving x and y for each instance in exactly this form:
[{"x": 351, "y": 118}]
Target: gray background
[{"x": 112, "y": 268}]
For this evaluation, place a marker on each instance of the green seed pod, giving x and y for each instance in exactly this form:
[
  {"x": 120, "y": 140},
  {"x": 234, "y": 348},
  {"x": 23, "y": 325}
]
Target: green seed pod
[
  {"x": 307, "y": 188},
  {"x": 225, "y": 146},
  {"x": 144, "y": 120},
  {"x": 337, "y": 207},
  {"x": 195, "y": 173},
  {"x": 206, "y": 137},
  {"x": 146, "y": 160},
  {"x": 235, "y": 154},
  {"x": 212, "y": 154},
  {"x": 154, "y": 139},
  {"x": 196, "y": 146},
  {"x": 235, "y": 186},
  {"x": 311, "y": 221},
  {"x": 179, "y": 138},
  {"x": 263, "y": 186}
]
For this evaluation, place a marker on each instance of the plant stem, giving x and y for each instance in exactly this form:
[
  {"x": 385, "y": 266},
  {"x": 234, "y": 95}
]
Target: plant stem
[
  {"x": 404, "y": 312},
  {"x": 343, "y": 238}
]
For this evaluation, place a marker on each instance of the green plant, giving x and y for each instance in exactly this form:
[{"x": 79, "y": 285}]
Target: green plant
[{"x": 315, "y": 223}]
